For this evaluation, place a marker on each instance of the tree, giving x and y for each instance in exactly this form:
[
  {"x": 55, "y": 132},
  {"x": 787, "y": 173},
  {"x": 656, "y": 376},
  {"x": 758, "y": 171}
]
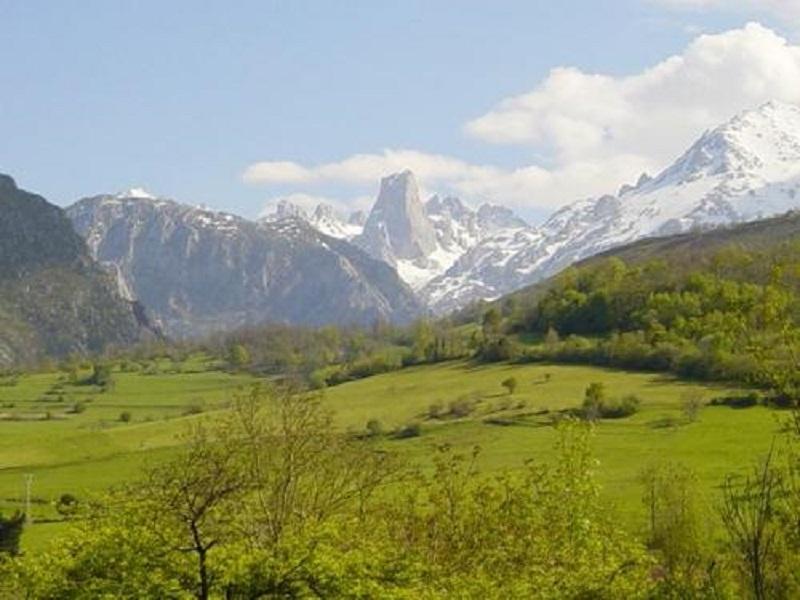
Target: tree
[
  {"x": 238, "y": 356},
  {"x": 67, "y": 505},
  {"x": 510, "y": 384},
  {"x": 10, "y": 532},
  {"x": 749, "y": 512},
  {"x": 102, "y": 376},
  {"x": 593, "y": 400},
  {"x": 491, "y": 323},
  {"x": 691, "y": 405},
  {"x": 191, "y": 499},
  {"x": 679, "y": 530}
]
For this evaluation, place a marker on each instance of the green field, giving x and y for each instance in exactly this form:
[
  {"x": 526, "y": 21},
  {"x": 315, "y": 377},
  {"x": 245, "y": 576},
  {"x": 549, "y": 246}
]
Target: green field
[
  {"x": 86, "y": 452},
  {"x": 720, "y": 441}
]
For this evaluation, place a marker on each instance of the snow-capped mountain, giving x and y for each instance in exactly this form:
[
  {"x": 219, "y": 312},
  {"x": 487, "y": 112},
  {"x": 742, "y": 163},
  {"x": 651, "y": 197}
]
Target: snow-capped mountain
[
  {"x": 198, "y": 270},
  {"x": 324, "y": 219},
  {"x": 420, "y": 240},
  {"x": 745, "y": 169}
]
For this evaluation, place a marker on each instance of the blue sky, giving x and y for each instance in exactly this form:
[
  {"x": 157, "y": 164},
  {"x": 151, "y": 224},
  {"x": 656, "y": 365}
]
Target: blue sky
[{"x": 182, "y": 97}]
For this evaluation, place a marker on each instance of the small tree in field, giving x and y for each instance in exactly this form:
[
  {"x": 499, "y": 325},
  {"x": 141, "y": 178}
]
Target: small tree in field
[
  {"x": 510, "y": 384},
  {"x": 593, "y": 400},
  {"x": 692, "y": 402}
]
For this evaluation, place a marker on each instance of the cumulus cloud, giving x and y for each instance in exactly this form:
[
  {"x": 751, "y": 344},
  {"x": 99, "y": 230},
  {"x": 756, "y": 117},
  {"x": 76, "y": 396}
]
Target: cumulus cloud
[
  {"x": 598, "y": 130},
  {"x": 654, "y": 113}
]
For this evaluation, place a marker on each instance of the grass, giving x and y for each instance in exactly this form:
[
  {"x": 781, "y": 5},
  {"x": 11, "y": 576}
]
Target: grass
[
  {"x": 720, "y": 441},
  {"x": 84, "y": 453}
]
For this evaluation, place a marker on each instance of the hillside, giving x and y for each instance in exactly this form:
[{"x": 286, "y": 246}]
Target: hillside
[
  {"x": 691, "y": 248},
  {"x": 54, "y": 299}
]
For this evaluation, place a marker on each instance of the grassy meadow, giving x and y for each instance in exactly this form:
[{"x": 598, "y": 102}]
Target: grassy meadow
[{"x": 142, "y": 416}]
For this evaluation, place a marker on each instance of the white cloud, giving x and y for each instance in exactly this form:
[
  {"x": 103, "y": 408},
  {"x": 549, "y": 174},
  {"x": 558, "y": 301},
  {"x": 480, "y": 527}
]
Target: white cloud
[
  {"x": 655, "y": 113},
  {"x": 599, "y": 131}
]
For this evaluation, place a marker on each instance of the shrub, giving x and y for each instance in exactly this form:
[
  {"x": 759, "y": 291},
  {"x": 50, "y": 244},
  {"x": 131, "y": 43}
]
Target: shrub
[
  {"x": 410, "y": 430},
  {"x": 510, "y": 384},
  {"x": 374, "y": 428},
  {"x": 461, "y": 407},
  {"x": 691, "y": 404},
  {"x": 435, "y": 410},
  {"x": 67, "y": 505},
  {"x": 619, "y": 409},
  {"x": 746, "y": 401},
  {"x": 195, "y": 408},
  {"x": 125, "y": 417}
]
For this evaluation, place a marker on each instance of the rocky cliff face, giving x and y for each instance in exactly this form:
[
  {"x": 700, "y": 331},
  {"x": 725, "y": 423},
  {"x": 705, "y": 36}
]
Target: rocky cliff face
[
  {"x": 397, "y": 227},
  {"x": 54, "y": 299},
  {"x": 199, "y": 270}
]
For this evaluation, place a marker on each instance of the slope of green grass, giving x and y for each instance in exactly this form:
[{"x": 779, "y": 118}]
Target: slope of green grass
[
  {"x": 720, "y": 441},
  {"x": 84, "y": 453}
]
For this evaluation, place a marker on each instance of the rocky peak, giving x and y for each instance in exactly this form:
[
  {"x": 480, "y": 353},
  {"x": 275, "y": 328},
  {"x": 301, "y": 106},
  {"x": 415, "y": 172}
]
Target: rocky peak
[
  {"x": 397, "y": 226},
  {"x": 493, "y": 217},
  {"x": 287, "y": 210}
]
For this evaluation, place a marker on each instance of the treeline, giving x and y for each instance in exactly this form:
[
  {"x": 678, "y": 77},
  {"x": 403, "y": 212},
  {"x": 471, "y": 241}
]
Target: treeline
[
  {"x": 732, "y": 316},
  {"x": 331, "y": 355},
  {"x": 270, "y": 500}
]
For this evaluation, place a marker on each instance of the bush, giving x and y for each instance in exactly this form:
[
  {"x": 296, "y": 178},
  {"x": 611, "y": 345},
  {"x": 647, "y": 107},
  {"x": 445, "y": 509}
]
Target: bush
[
  {"x": 195, "y": 408},
  {"x": 67, "y": 505},
  {"x": 435, "y": 410},
  {"x": 510, "y": 384},
  {"x": 411, "y": 430},
  {"x": 77, "y": 408},
  {"x": 597, "y": 406},
  {"x": 691, "y": 404},
  {"x": 125, "y": 417},
  {"x": 746, "y": 401},
  {"x": 619, "y": 409},
  {"x": 461, "y": 407},
  {"x": 374, "y": 428}
]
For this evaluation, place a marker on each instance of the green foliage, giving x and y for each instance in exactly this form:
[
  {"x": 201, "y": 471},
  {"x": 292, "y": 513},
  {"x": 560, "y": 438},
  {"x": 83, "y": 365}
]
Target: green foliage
[
  {"x": 273, "y": 503},
  {"x": 731, "y": 315},
  {"x": 510, "y": 384},
  {"x": 10, "y": 532},
  {"x": 67, "y": 505},
  {"x": 374, "y": 428},
  {"x": 238, "y": 356},
  {"x": 410, "y": 430}
]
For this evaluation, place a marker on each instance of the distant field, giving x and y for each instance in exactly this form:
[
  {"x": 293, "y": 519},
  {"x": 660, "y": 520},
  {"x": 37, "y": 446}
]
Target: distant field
[{"x": 85, "y": 452}]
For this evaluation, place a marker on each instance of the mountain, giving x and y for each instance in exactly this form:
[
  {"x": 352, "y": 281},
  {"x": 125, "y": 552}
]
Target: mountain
[
  {"x": 324, "y": 219},
  {"x": 397, "y": 228},
  {"x": 745, "y": 169},
  {"x": 54, "y": 299},
  {"x": 423, "y": 240},
  {"x": 420, "y": 240},
  {"x": 198, "y": 270}
]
